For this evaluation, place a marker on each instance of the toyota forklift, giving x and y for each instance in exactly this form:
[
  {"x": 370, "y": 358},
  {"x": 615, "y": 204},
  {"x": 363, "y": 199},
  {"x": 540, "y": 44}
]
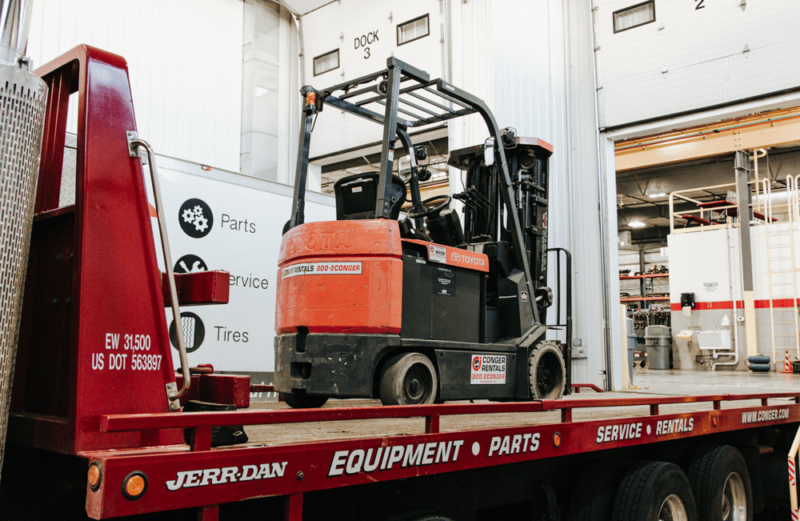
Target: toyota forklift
[{"x": 407, "y": 303}]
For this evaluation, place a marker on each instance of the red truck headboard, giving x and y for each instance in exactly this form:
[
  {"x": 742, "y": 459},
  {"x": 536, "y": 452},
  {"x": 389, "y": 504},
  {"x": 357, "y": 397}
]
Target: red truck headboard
[{"x": 93, "y": 337}]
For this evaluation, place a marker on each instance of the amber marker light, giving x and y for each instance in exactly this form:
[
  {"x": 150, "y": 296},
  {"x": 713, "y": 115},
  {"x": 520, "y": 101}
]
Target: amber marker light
[
  {"x": 134, "y": 485},
  {"x": 311, "y": 98},
  {"x": 557, "y": 440},
  {"x": 95, "y": 475}
]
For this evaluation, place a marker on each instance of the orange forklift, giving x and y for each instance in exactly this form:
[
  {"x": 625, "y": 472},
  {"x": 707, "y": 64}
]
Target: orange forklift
[{"x": 416, "y": 307}]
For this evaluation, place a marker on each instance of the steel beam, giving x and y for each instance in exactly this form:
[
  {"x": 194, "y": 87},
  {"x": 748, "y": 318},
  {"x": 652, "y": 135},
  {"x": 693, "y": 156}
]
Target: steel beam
[
  {"x": 761, "y": 134},
  {"x": 741, "y": 167},
  {"x": 383, "y": 205}
]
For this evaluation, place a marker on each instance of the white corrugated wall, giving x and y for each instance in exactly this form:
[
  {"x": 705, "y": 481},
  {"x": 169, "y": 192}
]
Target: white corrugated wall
[
  {"x": 337, "y": 26},
  {"x": 697, "y": 54},
  {"x": 534, "y": 69},
  {"x": 184, "y": 59}
]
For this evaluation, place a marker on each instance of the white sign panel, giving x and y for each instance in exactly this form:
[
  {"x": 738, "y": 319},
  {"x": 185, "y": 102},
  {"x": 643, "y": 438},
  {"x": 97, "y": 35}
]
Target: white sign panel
[
  {"x": 488, "y": 369},
  {"x": 214, "y": 225}
]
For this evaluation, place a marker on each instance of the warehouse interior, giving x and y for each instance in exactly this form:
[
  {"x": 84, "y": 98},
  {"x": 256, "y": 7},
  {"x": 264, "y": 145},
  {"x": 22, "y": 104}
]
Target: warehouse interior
[
  {"x": 611, "y": 116},
  {"x": 616, "y": 117},
  {"x": 657, "y": 198},
  {"x": 347, "y": 259}
]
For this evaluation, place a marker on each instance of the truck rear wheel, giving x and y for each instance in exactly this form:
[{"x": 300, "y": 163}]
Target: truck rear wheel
[
  {"x": 408, "y": 379},
  {"x": 655, "y": 491},
  {"x": 303, "y": 401},
  {"x": 721, "y": 484},
  {"x": 547, "y": 371}
]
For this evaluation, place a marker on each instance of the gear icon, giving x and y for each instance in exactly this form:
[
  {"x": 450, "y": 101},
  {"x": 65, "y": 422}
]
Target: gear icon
[
  {"x": 200, "y": 223},
  {"x": 188, "y": 215},
  {"x": 198, "y": 210}
]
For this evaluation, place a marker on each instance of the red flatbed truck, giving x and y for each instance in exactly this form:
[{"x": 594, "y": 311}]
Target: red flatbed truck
[{"x": 107, "y": 439}]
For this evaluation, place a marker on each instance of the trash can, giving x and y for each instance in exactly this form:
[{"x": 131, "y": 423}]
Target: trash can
[
  {"x": 658, "y": 340},
  {"x": 633, "y": 344}
]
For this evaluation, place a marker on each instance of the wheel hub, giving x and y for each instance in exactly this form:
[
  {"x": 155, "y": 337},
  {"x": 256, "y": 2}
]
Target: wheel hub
[
  {"x": 416, "y": 386},
  {"x": 734, "y": 499},
  {"x": 672, "y": 509},
  {"x": 548, "y": 374}
]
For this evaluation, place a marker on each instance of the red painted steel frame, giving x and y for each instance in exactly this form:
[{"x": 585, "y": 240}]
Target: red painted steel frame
[
  {"x": 74, "y": 352},
  {"x": 196, "y": 289},
  {"x": 577, "y": 387},
  {"x": 292, "y": 470}
]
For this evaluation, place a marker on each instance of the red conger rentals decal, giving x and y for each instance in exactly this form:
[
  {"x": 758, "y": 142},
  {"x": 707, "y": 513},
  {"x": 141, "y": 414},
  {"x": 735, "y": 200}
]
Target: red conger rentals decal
[{"x": 321, "y": 268}]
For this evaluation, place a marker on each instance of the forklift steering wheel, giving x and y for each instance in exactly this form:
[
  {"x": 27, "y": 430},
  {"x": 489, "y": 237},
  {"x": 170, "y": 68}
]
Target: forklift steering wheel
[{"x": 423, "y": 210}]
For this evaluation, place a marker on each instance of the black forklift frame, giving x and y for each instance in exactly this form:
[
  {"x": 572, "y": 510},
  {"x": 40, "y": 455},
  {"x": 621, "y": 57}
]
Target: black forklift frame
[{"x": 387, "y": 91}]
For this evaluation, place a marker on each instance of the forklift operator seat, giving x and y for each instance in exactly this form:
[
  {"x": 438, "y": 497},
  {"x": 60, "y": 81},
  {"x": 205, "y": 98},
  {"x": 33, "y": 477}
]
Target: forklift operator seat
[{"x": 357, "y": 194}]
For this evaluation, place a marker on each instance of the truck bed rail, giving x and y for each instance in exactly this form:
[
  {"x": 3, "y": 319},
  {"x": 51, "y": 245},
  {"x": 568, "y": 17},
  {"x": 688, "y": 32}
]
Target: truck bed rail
[{"x": 431, "y": 413}]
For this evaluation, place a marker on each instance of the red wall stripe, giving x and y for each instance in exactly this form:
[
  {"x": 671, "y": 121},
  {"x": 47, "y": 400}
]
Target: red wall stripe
[{"x": 759, "y": 304}]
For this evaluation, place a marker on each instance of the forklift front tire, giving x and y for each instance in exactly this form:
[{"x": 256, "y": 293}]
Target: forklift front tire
[
  {"x": 408, "y": 379},
  {"x": 297, "y": 401}
]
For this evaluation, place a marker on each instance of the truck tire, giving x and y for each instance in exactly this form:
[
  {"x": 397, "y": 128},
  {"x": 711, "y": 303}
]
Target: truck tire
[
  {"x": 303, "y": 401},
  {"x": 721, "y": 484},
  {"x": 547, "y": 371},
  {"x": 408, "y": 379},
  {"x": 596, "y": 489},
  {"x": 653, "y": 491}
]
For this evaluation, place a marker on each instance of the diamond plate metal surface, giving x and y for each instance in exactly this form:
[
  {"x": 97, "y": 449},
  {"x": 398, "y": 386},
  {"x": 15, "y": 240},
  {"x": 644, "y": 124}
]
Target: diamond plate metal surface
[
  {"x": 23, "y": 97},
  {"x": 67, "y": 194}
]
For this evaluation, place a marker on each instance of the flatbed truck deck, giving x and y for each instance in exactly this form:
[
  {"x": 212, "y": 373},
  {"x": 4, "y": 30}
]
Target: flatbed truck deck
[
  {"x": 301, "y": 457},
  {"x": 306, "y": 451}
]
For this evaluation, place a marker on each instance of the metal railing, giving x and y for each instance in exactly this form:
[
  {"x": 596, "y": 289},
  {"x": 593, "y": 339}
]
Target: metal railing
[
  {"x": 762, "y": 205},
  {"x": 776, "y": 280},
  {"x": 431, "y": 413}
]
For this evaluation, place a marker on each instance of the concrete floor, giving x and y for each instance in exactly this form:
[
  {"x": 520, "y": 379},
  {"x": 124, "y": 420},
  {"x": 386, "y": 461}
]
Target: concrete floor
[{"x": 674, "y": 382}]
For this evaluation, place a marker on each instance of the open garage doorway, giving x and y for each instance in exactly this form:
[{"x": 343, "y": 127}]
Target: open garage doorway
[{"x": 703, "y": 288}]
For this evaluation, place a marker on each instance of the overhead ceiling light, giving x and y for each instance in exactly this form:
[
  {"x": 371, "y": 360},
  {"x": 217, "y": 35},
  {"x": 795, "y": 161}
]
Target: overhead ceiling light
[
  {"x": 656, "y": 196},
  {"x": 636, "y": 224}
]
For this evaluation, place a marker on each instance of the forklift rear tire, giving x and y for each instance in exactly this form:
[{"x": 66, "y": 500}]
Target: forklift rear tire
[
  {"x": 408, "y": 379},
  {"x": 298, "y": 401},
  {"x": 547, "y": 371}
]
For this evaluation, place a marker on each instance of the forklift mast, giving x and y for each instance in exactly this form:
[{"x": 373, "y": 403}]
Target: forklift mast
[
  {"x": 394, "y": 88},
  {"x": 528, "y": 160}
]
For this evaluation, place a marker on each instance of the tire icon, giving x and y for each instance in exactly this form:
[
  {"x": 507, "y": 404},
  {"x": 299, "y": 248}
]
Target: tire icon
[{"x": 194, "y": 332}]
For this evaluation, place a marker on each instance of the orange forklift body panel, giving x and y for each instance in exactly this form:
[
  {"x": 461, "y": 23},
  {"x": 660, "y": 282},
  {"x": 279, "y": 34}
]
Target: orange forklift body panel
[{"x": 341, "y": 277}]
